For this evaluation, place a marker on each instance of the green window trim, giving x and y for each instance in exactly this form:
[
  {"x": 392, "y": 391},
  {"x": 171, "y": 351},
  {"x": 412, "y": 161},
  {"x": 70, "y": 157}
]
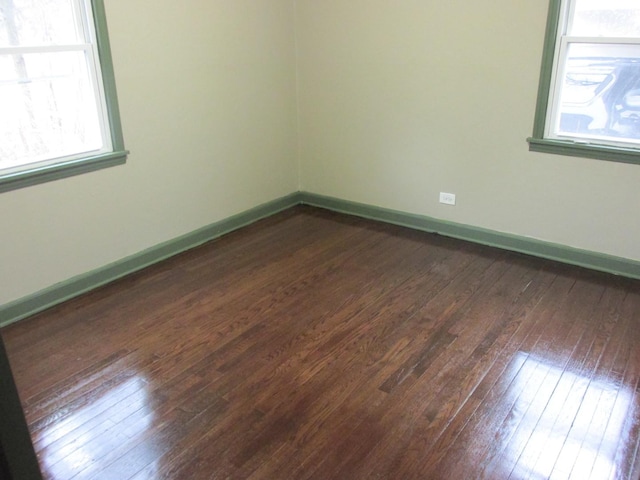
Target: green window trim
[
  {"x": 49, "y": 173},
  {"x": 538, "y": 142},
  {"x": 573, "y": 149},
  {"x": 117, "y": 156}
]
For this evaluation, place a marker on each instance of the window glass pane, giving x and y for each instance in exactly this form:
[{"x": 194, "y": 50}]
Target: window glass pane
[
  {"x": 600, "y": 94},
  {"x": 38, "y": 22},
  {"x": 611, "y": 18},
  {"x": 48, "y": 109}
]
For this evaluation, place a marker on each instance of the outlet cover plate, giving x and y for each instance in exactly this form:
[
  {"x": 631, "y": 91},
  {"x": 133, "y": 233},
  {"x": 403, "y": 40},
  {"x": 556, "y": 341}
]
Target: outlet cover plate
[{"x": 448, "y": 198}]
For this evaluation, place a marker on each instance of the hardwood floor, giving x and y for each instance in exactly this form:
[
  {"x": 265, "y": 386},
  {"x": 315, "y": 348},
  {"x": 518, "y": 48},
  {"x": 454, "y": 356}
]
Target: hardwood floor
[{"x": 312, "y": 345}]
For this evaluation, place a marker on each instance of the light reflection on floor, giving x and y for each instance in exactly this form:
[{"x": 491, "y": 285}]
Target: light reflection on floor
[
  {"x": 122, "y": 414},
  {"x": 563, "y": 425}
]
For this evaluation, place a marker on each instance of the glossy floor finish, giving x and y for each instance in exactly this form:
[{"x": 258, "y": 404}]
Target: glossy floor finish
[{"x": 318, "y": 346}]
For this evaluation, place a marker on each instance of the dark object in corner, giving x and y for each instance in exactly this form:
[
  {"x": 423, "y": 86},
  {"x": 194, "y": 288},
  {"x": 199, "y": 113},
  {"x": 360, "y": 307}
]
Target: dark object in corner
[
  {"x": 18, "y": 460},
  {"x": 4, "y": 466}
]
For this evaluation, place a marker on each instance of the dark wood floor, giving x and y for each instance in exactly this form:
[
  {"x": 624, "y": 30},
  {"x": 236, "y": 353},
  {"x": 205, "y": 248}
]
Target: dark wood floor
[{"x": 315, "y": 345}]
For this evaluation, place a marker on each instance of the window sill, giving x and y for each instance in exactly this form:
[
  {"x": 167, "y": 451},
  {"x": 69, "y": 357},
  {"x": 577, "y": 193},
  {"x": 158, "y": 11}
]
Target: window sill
[
  {"x": 49, "y": 173},
  {"x": 597, "y": 152}
]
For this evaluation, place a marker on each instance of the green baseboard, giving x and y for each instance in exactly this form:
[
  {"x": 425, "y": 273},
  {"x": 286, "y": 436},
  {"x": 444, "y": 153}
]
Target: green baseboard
[
  {"x": 39, "y": 301},
  {"x": 56, "y": 294},
  {"x": 538, "y": 248}
]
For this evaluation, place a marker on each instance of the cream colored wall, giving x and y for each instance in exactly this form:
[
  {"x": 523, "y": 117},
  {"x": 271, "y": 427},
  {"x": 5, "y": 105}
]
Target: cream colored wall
[
  {"x": 207, "y": 99},
  {"x": 402, "y": 99},
  {"x": 398, "y": 100}
]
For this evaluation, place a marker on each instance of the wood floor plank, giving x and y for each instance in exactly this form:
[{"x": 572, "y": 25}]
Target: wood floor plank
[
  {"x": 511, "y": 408},
  {"x": 595, "y": 384},
  {"x": 540, "y": 457},
  {"x": 475, "y": 376},
  {"x": 314, "y": 345}
]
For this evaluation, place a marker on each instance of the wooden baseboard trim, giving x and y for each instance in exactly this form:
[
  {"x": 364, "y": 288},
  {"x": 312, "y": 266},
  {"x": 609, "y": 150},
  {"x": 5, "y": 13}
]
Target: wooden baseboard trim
[
  {"x": 66, "y": 290},
  {"x": 49, "y": 297},
  {"x": 530, "y": 246}
]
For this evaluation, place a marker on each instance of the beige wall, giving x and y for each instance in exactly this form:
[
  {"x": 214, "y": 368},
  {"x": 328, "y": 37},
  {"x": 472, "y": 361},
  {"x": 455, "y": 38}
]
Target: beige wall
[
  {"x": 207, "y": 99},
  {"x": 400, "y": 100}
]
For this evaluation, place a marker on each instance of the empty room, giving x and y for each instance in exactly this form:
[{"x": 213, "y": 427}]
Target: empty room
[{"x": 319, "y": 239}]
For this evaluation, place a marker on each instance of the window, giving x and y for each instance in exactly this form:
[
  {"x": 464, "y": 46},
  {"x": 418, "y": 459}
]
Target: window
[
  {"x": 589, "y": 96},
  {"x": 58, "y": 106}
]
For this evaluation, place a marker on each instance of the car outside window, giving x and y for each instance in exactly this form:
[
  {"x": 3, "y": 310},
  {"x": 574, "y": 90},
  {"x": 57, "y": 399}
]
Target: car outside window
[{"x": 589, "y": 97}]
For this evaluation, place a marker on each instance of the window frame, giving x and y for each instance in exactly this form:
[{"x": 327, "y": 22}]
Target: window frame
[
  {"x": 538, "y": 142},
  {"x": 89, "y": 163}
]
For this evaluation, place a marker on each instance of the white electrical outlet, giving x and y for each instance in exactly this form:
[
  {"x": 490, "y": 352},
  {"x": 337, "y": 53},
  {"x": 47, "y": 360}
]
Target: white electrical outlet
[{"x": 448, "y": 198}]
